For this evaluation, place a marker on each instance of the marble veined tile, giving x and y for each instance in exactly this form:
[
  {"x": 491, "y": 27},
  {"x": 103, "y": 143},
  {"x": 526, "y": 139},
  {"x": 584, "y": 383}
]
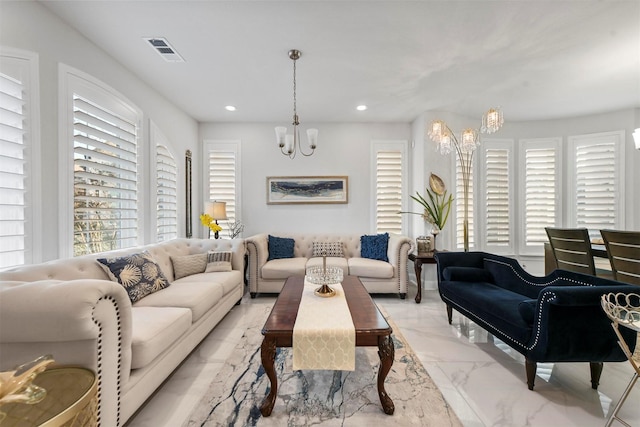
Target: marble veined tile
[{"x": 481, "y": 378}]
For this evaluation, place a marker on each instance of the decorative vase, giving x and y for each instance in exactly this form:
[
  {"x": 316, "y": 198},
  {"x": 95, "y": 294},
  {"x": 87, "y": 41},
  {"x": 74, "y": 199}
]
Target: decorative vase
[{"x": 434, "y": 232}]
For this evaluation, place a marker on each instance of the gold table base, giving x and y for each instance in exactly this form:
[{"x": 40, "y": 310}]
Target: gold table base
[{"x": 71, "y": 401}]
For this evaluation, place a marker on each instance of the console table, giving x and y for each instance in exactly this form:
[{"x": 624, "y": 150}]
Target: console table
[{"x": 418, "y": 259}]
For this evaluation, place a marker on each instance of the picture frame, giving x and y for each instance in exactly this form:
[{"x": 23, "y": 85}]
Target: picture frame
[{"x": 292, "y": 190}]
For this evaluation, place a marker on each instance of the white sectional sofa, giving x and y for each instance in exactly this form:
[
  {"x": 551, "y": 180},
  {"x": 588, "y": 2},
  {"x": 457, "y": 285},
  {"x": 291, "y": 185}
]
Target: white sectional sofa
[
  {"x": 268, "y": 276},
  {"x": 72, "y": 310}
]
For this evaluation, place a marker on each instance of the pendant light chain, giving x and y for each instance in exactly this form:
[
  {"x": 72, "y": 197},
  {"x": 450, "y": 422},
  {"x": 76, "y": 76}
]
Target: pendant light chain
[{"x": 295, "y": 99}]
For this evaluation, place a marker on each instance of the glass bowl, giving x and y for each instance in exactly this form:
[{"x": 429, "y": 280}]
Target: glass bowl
[{"x": 331, "y": 275}]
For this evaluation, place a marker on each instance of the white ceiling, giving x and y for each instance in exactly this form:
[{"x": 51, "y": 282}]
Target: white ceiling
[{"x": 535, "y": 59}]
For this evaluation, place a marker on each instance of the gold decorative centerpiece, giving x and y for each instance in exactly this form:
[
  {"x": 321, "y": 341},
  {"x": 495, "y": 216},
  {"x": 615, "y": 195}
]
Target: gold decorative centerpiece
[
  {"x": 16, "y": 386},
  {"x": 324, "y": 276}
]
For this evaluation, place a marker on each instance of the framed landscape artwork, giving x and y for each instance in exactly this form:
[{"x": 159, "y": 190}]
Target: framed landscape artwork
[{"x": 307, "y": 189}]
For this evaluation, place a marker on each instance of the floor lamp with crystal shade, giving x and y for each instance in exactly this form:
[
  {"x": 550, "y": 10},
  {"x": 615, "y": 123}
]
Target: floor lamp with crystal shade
[
  {"x": 447, "y": 141},
  {"x": 217, "y": 211}
]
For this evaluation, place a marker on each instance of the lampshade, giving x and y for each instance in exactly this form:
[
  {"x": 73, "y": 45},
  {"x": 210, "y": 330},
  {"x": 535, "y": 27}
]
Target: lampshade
[{"x": 217, "y": 210}]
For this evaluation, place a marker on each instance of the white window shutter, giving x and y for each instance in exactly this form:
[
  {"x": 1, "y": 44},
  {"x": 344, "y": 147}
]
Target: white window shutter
[
  {"x": 14, "y": 155},
  {"x": 166, "y": 194},
  {"x": 596, "y": 189},
  {"x": 20, "y": 217},
  {"x": 222, "y": 171},
  {"x": 538, "y": 192},
  {"x": 389, "y": 190},
  {"x": 105, "y": 178},
  {"x": 497, "y": 197},
  {"x": 459, "y": 204}
]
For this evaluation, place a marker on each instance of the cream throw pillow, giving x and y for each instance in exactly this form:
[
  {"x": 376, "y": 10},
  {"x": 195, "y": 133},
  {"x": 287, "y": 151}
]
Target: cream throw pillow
[
  {"x": 334, "y": 249},
  {"x": 218, "y": 261},
  {"x": 188, "y": 264}
]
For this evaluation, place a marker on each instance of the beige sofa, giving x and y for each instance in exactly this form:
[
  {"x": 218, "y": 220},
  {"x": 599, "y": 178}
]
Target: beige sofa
[
  {"x": 71, "y": 310},
  {"x": 377, "y": 276}
]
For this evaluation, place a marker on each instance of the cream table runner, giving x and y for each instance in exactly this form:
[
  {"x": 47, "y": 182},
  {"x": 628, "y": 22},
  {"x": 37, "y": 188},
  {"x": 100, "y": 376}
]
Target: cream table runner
[{"x": 324, "y": 336}]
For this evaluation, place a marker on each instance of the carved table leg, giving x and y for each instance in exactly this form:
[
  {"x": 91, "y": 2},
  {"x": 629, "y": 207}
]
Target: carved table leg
[
  {"x": 386, "y": 353},
  {"x": 268, "y": 355},
  {"x": 417, "y": 266}
]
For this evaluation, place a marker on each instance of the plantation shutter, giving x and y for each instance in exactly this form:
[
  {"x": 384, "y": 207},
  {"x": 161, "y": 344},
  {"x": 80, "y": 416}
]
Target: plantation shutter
[
  {"x": 596, "y": 186},
  {"x": 14, "y": 158},
  {"x": 460, "y": 207},
  {"x": 540, "y": 178},
  {"x": 166, "y": 194},
  {"x": 497, "y": 194},
  {"x": 389, "y": 190},
  {"x": 105, "y": 178},
  {"x": 222, "y": 179}
]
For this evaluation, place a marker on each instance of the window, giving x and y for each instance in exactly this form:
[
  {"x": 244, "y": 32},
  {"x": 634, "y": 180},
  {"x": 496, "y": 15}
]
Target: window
[
  {"x": 18, "y": 158},
  {"x": 166, "y": 181},
  {"x": 222, "y": 166},
  {"x": 459, "y": 205},
  {"x": 389, "y": 182},
  {"x": 105, "y": 168},
  {"x": 497, "y": 196},
  {"x": 539, "y": 180},
  {"x": 595, "y": 182}
]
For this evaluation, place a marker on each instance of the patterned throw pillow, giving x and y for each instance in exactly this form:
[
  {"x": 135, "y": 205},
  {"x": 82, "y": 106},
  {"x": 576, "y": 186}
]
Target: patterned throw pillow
[
  {"x": 280, "y": 247},
  {"x": 187, "y": 265},
  {"x": 138, "y": 273},
  {"x": 218, "y": 261},
  {"x": 334, "y": 249},
  {"x": 375, "y": 247}
]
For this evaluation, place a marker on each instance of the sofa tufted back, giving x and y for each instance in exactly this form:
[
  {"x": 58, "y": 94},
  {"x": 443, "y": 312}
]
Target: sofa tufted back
[
  {"x": 86, "y": 266},
  {"x": 303, "y": 246}
]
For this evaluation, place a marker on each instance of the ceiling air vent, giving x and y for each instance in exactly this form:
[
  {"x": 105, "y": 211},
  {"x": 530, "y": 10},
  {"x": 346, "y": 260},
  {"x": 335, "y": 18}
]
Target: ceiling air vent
[{"x": 164, "y": 49}]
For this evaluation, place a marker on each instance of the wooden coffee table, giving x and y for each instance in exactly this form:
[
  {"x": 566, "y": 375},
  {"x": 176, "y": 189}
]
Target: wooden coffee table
[{"x": 371, "y": 330}]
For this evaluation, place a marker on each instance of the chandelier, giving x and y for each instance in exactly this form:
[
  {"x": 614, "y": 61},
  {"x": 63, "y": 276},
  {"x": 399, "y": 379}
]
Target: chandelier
[
  {"x": 447, "y": 141},
  {"x": 290, "y": 144}
]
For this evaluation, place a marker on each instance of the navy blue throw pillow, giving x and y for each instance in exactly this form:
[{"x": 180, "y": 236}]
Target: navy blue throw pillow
[
  {"x": 280, "y": 247},
  {"x": 375, "y": 247}
]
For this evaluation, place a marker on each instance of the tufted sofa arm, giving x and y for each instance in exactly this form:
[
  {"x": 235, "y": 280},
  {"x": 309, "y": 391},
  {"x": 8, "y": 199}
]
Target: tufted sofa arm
[{"x": 92, "y": 330}]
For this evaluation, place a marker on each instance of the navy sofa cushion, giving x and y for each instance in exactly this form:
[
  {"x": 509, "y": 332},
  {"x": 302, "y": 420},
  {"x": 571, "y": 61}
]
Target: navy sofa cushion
[
  {"x": 495, "y": 305},
  {"x": 280, "y": 247},
  {"x": 375, "y": 247}
]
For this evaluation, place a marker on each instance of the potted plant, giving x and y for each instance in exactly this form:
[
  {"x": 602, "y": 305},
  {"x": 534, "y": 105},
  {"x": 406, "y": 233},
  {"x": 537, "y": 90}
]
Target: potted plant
[{"x": 437, "y": 205}]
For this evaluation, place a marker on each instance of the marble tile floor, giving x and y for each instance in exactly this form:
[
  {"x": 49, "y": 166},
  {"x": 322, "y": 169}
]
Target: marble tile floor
[{"x": 481, "y": 378}]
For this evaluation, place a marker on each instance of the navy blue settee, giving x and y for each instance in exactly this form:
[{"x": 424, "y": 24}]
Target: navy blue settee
[{"x": 554, "y": 318}]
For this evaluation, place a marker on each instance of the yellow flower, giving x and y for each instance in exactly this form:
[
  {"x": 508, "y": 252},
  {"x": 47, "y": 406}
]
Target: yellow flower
[{"x": 209, "y": 222}]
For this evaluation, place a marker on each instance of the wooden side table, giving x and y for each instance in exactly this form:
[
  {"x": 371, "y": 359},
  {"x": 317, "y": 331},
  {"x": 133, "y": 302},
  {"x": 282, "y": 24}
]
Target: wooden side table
[
  {"x": 71, "y": 401},
  {"x": 418, "y": 259}
]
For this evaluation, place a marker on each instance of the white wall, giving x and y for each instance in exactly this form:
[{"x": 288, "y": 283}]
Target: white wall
[
  {"x": 343, "y": 149},
  {"x": 30, "y": 26}
]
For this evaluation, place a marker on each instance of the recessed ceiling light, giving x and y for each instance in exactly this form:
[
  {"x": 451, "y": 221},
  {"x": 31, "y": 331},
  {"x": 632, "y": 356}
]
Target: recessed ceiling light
[
  {"x": 230, "y": 108},
  {"x": 361, "y": 107}
]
